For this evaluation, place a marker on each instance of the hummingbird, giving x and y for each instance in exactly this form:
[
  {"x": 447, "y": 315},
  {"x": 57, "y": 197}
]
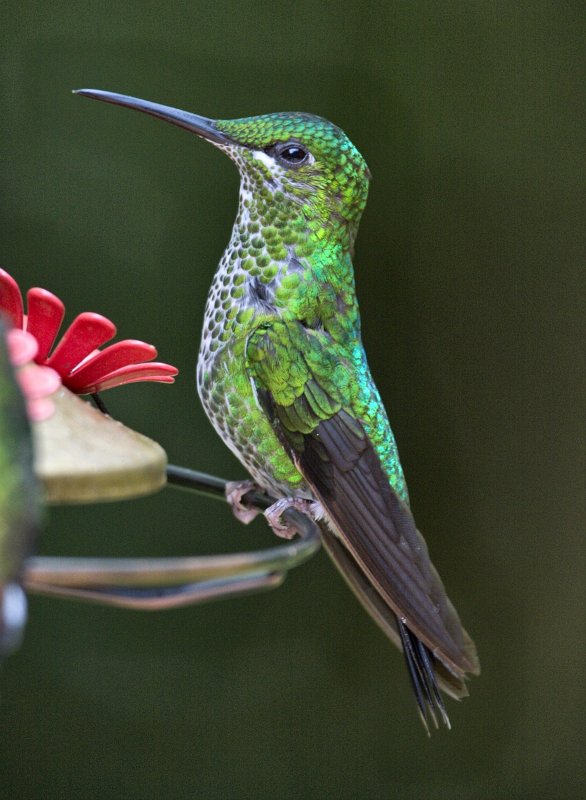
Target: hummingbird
[{"x": 283, "y": 377}]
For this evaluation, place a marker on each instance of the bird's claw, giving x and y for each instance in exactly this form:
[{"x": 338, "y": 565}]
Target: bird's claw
[
  {"x": 235, "y": 491},
  {"x": 274, "y": 514}
]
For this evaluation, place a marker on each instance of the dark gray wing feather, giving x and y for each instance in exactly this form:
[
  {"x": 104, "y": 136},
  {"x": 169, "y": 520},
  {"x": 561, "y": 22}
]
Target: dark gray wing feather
[{"x": 344, "y": 470}]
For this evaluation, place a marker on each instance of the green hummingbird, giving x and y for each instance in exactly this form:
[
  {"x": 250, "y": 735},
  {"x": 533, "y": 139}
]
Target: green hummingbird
[{"x": 283, "y": 377}]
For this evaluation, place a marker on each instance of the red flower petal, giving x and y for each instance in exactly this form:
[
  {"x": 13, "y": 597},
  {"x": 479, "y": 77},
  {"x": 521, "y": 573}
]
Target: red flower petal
[
  {"x": 11, "y": 299},
  {"x": 76, "y": 360},
  {"x": 44, "y": 318},
  {"x": 22, "y": 346},
  {"x": 120, "y": 354},
  {"x": 87, "y": 332},
  {"x": 160, "y": 373},
  {"x": 38, "y": 382},
  {"x": 40, "y": 409}
]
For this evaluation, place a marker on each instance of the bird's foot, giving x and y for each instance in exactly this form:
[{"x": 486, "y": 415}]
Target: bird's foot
[
  {"x": 274, "y": 514},
  {"x": 235, "y": 491}
]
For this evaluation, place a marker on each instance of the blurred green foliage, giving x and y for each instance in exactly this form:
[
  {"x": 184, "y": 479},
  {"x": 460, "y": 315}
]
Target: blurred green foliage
[{"x": 470, "y": 265}]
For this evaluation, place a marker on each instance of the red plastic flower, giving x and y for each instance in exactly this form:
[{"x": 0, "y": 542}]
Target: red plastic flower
[{"x": 83, "y": 368}]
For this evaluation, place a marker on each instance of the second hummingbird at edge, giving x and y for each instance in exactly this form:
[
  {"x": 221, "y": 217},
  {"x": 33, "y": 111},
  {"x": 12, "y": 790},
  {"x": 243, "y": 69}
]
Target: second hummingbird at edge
[{"x": 283, "y": 377}]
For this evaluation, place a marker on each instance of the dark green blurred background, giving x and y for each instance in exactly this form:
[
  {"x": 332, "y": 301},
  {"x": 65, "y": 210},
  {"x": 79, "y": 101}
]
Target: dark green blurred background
[{"x": 470, "y": 269}]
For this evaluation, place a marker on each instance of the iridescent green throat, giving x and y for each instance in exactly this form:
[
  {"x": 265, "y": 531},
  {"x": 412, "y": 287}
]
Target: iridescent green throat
[
  {"x": 282, "y": 256},
  {"x": 293, "y": 237}
]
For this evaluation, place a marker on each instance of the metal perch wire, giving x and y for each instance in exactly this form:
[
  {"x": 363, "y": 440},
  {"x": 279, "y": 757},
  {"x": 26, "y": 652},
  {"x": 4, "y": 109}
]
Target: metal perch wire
[{"x": 151, "y": 584}]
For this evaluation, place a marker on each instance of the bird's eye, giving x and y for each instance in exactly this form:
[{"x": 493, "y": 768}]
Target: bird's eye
[
  {"x": 289, "y": 154},
  {"x": 293, "y": 154}
]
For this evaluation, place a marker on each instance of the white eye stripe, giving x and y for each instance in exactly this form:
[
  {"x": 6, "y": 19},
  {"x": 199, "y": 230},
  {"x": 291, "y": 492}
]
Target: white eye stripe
[{"x": 266, "y": 159}]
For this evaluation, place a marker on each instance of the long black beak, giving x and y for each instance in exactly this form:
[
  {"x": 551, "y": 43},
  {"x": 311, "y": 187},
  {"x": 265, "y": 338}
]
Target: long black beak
[{"x": 206, "y": 128}]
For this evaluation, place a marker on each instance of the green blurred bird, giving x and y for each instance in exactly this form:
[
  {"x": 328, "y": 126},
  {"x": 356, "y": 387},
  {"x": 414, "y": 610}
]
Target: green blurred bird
[
  {"x": 283, "y": 377},
  {"x": 19, "y": 503}
]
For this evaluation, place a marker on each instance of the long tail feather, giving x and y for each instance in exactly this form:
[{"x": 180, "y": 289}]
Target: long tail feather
[{"x": 419, "y": 662}]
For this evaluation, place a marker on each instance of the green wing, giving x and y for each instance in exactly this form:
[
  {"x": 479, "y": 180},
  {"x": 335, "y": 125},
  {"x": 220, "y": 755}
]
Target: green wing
[{"x": 306, "y": 384}]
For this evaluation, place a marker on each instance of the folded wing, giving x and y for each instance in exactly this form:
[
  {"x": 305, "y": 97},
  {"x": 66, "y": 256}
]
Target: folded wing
[{"x": 306, "y": 385}]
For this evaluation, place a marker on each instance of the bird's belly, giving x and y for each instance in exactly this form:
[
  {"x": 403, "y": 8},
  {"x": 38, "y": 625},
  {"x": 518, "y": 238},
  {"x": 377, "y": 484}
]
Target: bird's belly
[{"x": 229, "y": 401}]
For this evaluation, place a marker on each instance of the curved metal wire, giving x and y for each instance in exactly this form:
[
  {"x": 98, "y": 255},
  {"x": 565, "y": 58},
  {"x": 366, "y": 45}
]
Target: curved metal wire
[{"x": 163, "y": 583}]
